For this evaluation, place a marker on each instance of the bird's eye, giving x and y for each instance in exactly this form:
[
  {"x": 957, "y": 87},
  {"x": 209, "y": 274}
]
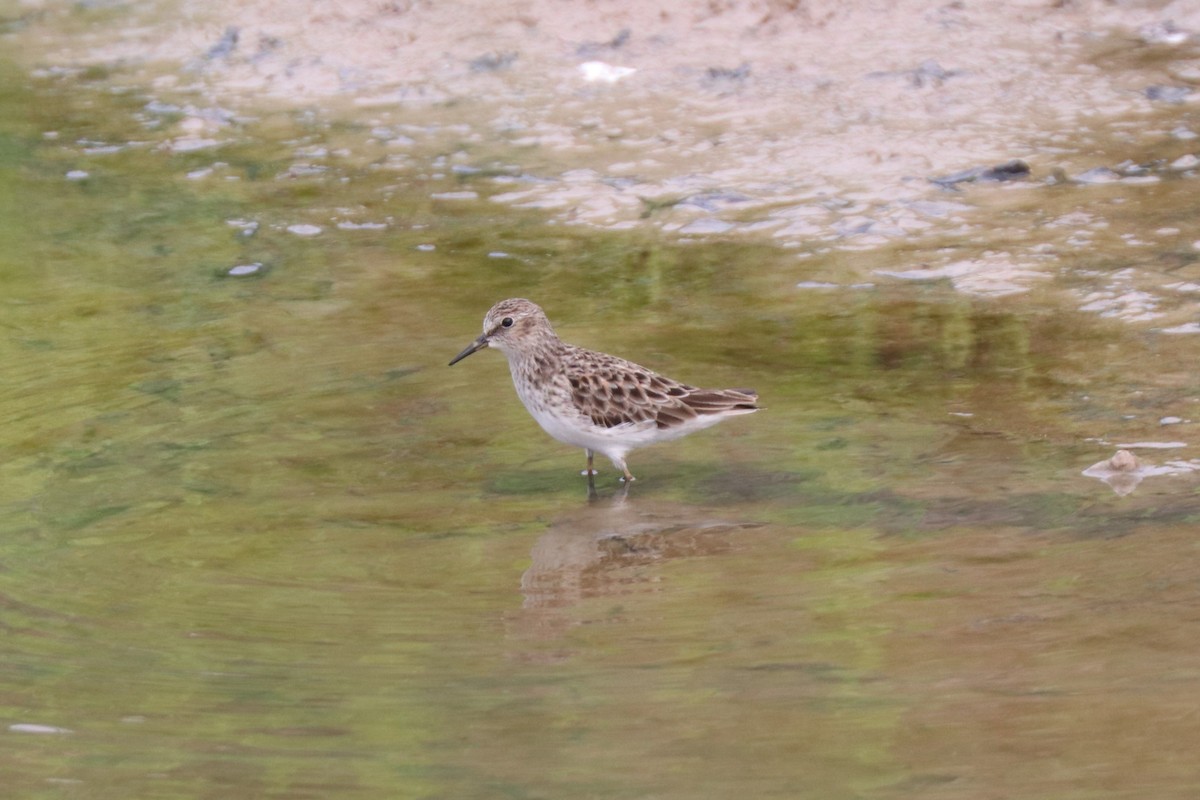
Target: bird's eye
[{"x": 507, "y": 322}]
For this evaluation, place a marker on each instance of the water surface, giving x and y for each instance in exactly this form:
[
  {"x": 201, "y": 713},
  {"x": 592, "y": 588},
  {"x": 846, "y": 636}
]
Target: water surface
[{"x": 260, "y": 542}]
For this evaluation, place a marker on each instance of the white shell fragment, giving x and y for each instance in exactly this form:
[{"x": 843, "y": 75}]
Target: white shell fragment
[{"x": 600, "y": 72}]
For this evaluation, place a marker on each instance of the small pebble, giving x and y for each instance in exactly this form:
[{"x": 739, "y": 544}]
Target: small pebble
[
  {"x": 427, "y": 248},
  {"x": 1167, "y": 94},
  {"x": 245, "y": 269},
  {"x": 1162, "y": 33},
  {"x": 248, "y": 227},
  {"x": 1123, "y": 461},
  {"x": 933, "y": 208},
  {"x": 1170, "y": 421},
  {"x": 304, "y": 230},
  {"x": 1152, "y": 445},
  {"x": 26, "y": 727},
  {"x": 193, "y": 125},
  {"x": 492, "y": 62},
  {"x": 498, "y": 254},
  {"x": 77, "y": 175},
  {"x": 190, "y": 144},
  {"x": 1097, "y": 175},
  {"x": 1187, "y": 71},
  {"x": 347, "y": 225},
  {"x": 706, "y": 225}
]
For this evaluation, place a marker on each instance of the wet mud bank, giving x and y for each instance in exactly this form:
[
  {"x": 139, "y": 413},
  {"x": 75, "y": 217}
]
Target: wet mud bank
[{"x": 817, "y": 124}]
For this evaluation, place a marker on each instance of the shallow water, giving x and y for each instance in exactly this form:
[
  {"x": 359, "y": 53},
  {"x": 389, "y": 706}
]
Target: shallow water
[{"x": 260, "y": 542}]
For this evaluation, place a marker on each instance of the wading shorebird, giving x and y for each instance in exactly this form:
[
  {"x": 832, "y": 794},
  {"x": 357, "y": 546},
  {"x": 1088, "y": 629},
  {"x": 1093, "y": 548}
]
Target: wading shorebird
[{"x": 592, "y": 400}]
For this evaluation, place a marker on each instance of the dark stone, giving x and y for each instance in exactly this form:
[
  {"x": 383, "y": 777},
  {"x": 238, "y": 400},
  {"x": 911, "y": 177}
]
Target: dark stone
[
  {"x": 1014, "y": 170},
  {"x": 225, "y": 45},
  {"x": 492, "y": 62}
]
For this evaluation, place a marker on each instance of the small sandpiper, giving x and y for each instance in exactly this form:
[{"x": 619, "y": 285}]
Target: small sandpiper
[{"x": 599, "y": 402}]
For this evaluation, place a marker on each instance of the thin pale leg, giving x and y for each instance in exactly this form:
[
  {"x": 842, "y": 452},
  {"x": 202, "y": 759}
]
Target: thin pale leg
[
  {"x": 589, "y": 471},
  {"x": 619, "y": 463}
]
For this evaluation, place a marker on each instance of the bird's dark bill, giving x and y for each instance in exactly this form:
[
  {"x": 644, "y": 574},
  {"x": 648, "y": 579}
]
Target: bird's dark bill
[{"x": 478, "y": 344}]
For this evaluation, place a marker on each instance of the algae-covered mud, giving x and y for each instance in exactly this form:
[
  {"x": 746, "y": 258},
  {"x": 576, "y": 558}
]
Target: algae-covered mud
[{"x": 258, "y": 541}]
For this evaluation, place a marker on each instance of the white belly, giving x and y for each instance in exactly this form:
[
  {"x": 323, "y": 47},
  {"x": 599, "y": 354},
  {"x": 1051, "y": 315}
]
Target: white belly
[{"x": 557, "y": 415}]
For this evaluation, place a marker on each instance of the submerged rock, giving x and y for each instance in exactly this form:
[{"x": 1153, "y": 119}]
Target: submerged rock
[
  {"x": 1120, "y": 472},
  {"x": 1124, "y": 471}
]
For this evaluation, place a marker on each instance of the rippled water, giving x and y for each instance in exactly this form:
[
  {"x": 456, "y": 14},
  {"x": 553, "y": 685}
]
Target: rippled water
[{"x": 260, "y": 542}]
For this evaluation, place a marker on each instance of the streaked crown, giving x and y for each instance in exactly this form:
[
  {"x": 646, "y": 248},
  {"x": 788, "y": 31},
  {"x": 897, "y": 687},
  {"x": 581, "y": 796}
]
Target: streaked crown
[{"x": 511, "y": 323}]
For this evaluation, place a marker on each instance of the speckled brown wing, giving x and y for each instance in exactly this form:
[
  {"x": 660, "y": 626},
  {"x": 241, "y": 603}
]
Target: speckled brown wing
[{"x": 611, "y": 391}]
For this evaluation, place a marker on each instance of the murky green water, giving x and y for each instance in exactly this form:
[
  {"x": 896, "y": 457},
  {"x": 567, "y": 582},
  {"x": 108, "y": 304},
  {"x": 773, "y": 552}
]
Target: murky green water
[{"x": 258, "y": 541}]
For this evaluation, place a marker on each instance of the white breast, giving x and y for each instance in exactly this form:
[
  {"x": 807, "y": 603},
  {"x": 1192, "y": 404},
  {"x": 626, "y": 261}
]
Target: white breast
[{"x": 554, "y": 410}]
